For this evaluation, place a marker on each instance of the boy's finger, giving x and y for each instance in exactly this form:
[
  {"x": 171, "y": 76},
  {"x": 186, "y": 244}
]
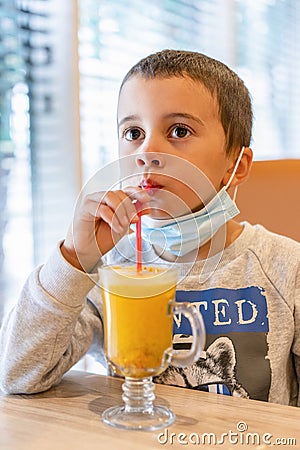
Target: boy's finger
[
  {"x": 126, "y": 209},
  {"x": 108, "y": 216}
]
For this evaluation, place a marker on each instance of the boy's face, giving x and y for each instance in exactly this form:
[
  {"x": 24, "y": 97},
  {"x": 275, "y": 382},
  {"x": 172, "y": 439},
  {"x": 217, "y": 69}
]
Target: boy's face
[{"x": 170, "y": 128}]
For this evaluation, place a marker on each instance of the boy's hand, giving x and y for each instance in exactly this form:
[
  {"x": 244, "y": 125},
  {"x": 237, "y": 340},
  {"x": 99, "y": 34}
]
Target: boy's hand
[{"x": 101, "y": 219}]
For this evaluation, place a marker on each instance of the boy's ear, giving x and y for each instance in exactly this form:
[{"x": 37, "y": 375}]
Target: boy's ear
[{"x": 243, "y": 170}]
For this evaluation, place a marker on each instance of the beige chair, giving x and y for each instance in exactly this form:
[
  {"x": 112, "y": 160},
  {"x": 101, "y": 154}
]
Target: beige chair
[{"x": 271, "y": 196}]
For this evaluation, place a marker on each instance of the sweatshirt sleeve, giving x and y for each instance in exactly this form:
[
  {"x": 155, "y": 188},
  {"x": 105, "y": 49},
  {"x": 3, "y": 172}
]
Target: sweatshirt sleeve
[{"x": 50, "y": 328}]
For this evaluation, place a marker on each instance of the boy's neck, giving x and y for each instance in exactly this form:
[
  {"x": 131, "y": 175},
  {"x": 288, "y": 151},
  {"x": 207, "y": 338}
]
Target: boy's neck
[{"x": 233, "y": 230}]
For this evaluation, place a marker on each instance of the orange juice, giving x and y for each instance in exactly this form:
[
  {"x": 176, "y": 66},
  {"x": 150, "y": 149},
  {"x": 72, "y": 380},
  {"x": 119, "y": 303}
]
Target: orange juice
[{"x": 137, "y": 318}]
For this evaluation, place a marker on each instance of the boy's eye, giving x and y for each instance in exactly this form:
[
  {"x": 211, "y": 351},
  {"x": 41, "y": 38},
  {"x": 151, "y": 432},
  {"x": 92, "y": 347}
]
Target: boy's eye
[
  {"x": 133, "y": 134},
  {"x": 180, "y": 131}
]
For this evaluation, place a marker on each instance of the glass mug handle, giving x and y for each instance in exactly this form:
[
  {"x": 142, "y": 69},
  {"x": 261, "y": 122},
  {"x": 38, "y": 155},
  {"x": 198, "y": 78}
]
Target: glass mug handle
[{"x": 183, "y": 359}]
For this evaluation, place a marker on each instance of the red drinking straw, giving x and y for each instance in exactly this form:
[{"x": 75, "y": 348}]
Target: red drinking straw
[{"x": 139, "y": 244}]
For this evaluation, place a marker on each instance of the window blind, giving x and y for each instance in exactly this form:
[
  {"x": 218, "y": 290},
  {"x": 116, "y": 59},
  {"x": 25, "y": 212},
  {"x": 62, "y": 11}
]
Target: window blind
[
  {"x": 268, "y": 47},
  {"x": 39, "y": 41},
  {"x": 49, "y": 46},
  {"x": 14, "y": 164}
]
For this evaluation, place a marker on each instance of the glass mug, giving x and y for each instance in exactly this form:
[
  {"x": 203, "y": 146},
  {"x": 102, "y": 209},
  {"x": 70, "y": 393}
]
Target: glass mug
[{"x": 138, "y": 308}]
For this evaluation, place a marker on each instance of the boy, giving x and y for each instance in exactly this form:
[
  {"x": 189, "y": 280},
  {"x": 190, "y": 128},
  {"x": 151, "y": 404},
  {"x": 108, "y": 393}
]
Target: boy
[{"x": 180, "y": 113}]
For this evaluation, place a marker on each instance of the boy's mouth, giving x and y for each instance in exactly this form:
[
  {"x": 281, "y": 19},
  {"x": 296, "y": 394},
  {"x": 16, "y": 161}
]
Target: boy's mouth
[{"x": 148, "y": 184}]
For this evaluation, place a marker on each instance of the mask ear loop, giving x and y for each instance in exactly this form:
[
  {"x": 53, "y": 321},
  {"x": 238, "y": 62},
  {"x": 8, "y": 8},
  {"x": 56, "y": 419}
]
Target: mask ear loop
[{"x": 233, "y": 174}]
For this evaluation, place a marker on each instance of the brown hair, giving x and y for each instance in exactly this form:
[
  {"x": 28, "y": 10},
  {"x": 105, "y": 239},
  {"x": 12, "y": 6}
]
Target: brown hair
[{"x": 233, "y": 97}]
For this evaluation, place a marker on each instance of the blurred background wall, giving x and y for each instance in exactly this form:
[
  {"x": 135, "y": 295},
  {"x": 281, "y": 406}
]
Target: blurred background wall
[{"x": 61, "y": 63}]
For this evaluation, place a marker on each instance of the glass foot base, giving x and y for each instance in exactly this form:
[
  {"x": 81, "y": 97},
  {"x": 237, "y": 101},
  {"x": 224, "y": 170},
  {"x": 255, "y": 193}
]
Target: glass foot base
[{"x": 158, "y": 417}]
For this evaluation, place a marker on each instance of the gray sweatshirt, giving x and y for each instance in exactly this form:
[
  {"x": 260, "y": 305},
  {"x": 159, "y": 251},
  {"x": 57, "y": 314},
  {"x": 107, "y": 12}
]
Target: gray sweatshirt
[{"x": 249, "y": 298}]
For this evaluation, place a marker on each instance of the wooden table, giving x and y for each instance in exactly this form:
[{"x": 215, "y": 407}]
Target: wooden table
[{"x": 68, "y": 417}]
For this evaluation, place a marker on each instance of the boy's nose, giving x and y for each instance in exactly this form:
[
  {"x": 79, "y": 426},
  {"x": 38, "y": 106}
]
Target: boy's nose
[{"x": 150, "y": 159}]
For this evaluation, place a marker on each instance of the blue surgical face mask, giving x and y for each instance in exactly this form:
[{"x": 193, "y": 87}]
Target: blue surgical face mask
[{"x": 186, "y": 233}]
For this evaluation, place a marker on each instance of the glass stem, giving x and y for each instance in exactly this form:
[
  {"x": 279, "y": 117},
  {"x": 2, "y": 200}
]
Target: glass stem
[{"x": 138, "y": 394}]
